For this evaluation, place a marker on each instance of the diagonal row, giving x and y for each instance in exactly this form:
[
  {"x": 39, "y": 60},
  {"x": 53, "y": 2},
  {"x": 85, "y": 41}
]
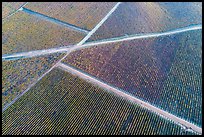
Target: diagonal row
[{"x": 164, "y": 71}]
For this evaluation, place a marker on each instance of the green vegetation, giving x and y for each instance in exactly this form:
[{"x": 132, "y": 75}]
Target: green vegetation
[
  {"x": 17, "y": 75},
  {"x": 64, "y": 104},
  {"x": 149, "y": 17},
  {"x": 164, "y": 71},
  {"x": 10, "y": 7},
  {"x": 183, "y": 87},
  {"x": 82, "y": 14},
  {"x": 23, "y": 32}
]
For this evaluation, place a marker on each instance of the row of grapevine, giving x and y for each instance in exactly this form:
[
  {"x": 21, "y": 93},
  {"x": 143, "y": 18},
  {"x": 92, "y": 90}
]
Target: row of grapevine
[
  {"x": 17, "y": 75},
  {"x": 15, "y": 5},
  {"x": 65, "y": 104},
  {"x": 6, "y": 10},
  {"x": 142, "y": 68},
  {"x": 23, "y": 32},
  {"x": 183, "y": 86},
  {"x": 149, "y": 17},
  {"x": 82, "y": 14},
  {"x": 10, "y": 7}
]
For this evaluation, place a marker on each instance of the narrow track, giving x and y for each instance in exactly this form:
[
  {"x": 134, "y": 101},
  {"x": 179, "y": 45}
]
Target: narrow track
[
  {"x": 99, "y": 24},
  {"x": 101, "y": 42},
  {"x": 15, "y": 11},
  {"x": 8, "y": 105},
  {"x": 56, "y": 21},
  {"x": 34, "y": 53},
  {"x": 189, "y": 126},
  {"x": 80, "y": 45}
]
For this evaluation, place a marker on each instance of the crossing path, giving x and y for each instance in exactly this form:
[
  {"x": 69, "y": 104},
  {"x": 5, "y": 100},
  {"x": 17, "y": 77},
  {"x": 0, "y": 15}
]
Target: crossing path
[
  {"x": 15, "y": 11},
  {"x": 96, "y": 43},
  {"x": 67, "y": 53}
]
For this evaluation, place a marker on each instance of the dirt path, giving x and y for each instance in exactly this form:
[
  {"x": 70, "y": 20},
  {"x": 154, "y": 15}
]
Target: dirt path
[
  {"x": 96, "y": 43},
  {"x": 186, "y": 124}
]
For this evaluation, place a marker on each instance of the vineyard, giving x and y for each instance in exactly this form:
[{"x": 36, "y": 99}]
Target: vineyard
[
  {"x": 64, "y": 104},
  {"x": 17, "y": 75},
  {"x": 82, "y": 14},
  {"x": 141, "y": 67},
  {"x": 10, "y": 7},
  {"x": 101, "y": 68},
  {"x": 23, "y": 32},
  {"x": 149, "y": 17},
  {"x": 15, "y": 5},
  {"x": 184, "y": 84}
]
